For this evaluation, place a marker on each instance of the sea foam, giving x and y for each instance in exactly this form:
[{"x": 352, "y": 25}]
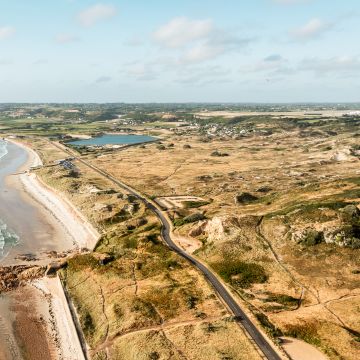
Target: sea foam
[
  {"x": 3, "y": 148},
  {"x": 8, "y": 238}
]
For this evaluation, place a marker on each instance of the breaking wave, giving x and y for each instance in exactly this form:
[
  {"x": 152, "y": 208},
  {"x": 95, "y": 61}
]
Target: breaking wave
[
  {"x": 8, "y": 239},
  {"x": 3, "y": 148}
]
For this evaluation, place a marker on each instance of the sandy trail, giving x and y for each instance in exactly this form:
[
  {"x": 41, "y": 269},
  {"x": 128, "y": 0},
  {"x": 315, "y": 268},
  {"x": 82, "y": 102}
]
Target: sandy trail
[{"x": 300, "y": 350}]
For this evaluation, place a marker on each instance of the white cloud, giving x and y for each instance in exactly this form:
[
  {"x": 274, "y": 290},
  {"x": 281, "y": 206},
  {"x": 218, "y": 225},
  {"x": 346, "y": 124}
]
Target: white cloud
[
  {"x": 95, "y": 14},
  {"x": 140, "y": 71},
  {"x": 65, "y": 38},
  {"x": 197, "y": 40},
  {"x": 203, "y": 75},
  {"x": 103, "y": 79},
  {"x": 272, "y": 65},
  {"x": 202, "y": 52},
  {"x": 181, "y": 31},
  {"x": 218, "y": 43},
  {"x": 5, "y": 61},
  {"x": 40, "y": 62},
  {"x": 273, "y": 58},
  {"x": 341, "y": 65},
  {"x": 312, "y": 29},
  {"x": 6, "y": 32},
  {"x": 134, "y": 41}
]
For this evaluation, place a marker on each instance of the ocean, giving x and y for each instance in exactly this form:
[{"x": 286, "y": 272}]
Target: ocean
[
  {"x": 8, "y": 238},
  {"x": 114, "y": 139},
  {"x": 3, "y": 148}
]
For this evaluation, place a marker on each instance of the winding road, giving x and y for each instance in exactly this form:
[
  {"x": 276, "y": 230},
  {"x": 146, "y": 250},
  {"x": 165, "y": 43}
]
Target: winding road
[{"x": 269, "y": 352}]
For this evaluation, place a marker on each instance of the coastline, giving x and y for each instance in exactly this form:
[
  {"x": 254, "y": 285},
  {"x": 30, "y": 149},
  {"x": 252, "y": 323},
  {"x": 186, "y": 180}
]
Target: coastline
[
  {"x": 42, "y": 303},
  {"x": 74, "y": 231}
]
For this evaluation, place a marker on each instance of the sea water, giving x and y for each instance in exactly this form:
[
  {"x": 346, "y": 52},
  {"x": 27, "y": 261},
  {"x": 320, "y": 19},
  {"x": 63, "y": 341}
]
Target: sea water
[
  {"x": 8, "y": 238},
  {"x": 3, "y": 148},
  {"x": 114, "y": 139}
]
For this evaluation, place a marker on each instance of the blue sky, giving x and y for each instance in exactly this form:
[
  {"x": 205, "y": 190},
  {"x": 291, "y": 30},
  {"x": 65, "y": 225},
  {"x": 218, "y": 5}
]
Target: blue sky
[{"x": 180, "y": 51}]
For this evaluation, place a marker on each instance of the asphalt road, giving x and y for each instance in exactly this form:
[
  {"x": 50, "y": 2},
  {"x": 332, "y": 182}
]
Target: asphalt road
[{"x": 239, "y": 314}]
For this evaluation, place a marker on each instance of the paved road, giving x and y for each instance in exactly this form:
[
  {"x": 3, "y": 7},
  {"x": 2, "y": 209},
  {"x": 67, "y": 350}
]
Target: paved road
[{"x": 240, "y": 315}]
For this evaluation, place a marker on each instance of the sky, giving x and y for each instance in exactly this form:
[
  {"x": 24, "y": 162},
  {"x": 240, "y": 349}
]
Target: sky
[{"x": 180, "y": 51}]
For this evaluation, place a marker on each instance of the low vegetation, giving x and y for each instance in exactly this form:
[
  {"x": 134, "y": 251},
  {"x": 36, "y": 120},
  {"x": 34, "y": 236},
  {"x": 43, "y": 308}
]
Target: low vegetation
[{"x": 240, "y": 274}]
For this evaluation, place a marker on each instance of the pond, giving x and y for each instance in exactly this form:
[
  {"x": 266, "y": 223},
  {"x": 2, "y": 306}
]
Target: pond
[{"x": 114, "y": 140}]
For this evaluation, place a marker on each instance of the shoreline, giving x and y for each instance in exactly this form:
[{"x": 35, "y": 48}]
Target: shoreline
[
  {"x": 54, "y": 204},
  {"x": 44, "y": 300}
]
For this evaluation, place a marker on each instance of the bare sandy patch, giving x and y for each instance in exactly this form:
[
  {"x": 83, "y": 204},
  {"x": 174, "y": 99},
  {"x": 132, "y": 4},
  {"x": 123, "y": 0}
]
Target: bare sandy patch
[{"x": 300, "y": 350}]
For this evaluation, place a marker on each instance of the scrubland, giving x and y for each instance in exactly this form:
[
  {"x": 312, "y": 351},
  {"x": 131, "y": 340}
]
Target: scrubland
[{"x": 277, "y": 217}]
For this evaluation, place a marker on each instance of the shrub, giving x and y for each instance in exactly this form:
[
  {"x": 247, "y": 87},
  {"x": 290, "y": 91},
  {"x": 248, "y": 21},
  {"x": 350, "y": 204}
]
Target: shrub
[
  {"x": 282, "y": 299},
  {"x": 189, "y": 219},
  {"x": 154, "y": 355},
  {"x": 219, "y": 154},
  {"x": 270, "y": 328},
  {"x": 145, "y": 308},
  {"x": 304, "y": 331},
  {"x": 153, "y": 238},
  {"x": 152, "y": 226},
  {"x": 240, "y": 274},
  {"x": 245, "y": 198},
  {"x": 118, "y": 311},
  {"x": 130, "y": 243},
  {"x": 195, "y": 204},
  {"x": 87, "y": 324},
  {"x": 81, "y": 262},
  {"x": 194, "y": 217}
]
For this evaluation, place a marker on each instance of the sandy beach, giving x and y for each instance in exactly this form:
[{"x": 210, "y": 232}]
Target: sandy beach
[
  {"x": 49, "y": 222},
  {"x": 35, "y": 321},
  {"x": 72, "y": 220}
]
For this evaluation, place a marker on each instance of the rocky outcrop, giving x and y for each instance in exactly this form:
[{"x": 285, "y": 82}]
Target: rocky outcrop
[
  {"x": 198, "y": 230},
  {"x": 130, "y": 208},
  {"x": 216, "y": 228},
  {"x": 345, "y": 236},
  {"x": 12, "y": 277},
  {"x": 341, "y": 155},
  {"x": 54, "y": 267},
  {"x": 343, "y": 229},
  {"x": 223, "y": 227},
  {"x": 350, "y": 214},
  {"x": 308, "y": 237}
]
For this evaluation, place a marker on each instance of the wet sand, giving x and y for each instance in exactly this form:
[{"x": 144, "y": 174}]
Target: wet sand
[
  {"x": 9, "y": 348},
  {"x": 35, "y": 322},
  {"x": 38, "y": 232},
  {"x": 24, "y": 319},
  {"x": 43, "y": 219}
]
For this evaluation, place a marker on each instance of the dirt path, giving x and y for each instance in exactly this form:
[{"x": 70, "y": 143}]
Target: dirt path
[
  {"x": 300, "y": 350},
  {"x": 161, "y": 327}
]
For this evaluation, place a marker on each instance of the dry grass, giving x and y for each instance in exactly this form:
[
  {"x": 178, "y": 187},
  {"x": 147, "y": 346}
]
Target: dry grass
[
  {"x": 298, "y": 184},
  {"x": 144, "y": 286},
  {"x": 293, "y": 177}
]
